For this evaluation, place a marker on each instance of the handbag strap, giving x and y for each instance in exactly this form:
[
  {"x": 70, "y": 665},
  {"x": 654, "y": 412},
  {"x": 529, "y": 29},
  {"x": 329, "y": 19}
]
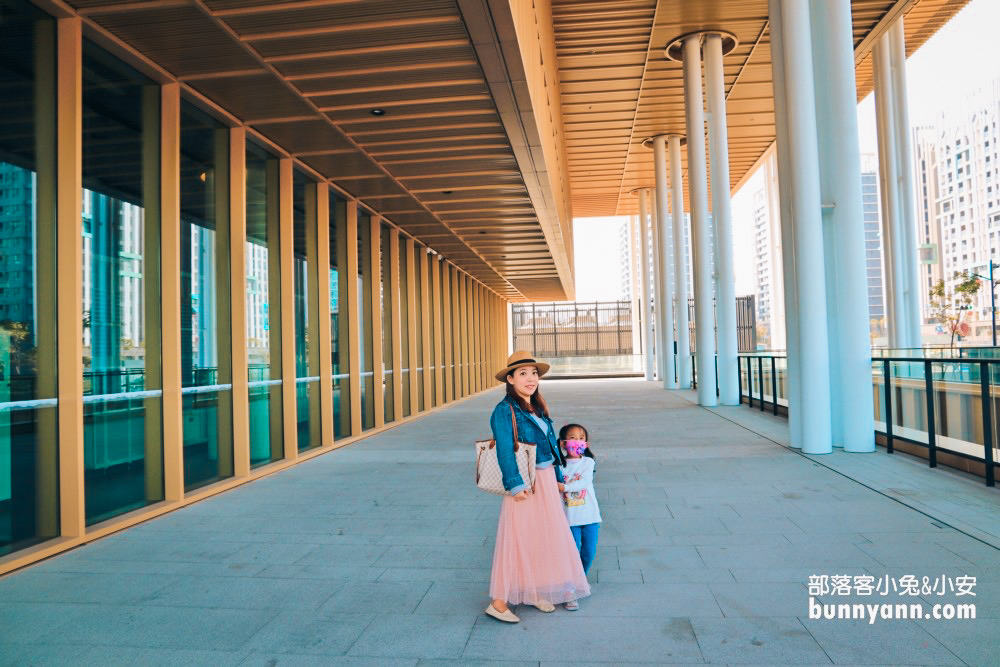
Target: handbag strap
[{"x": 513, "y": 422}]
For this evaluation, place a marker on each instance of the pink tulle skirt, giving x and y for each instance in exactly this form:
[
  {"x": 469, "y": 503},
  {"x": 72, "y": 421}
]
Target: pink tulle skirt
[{"x": 535, "y": 558}]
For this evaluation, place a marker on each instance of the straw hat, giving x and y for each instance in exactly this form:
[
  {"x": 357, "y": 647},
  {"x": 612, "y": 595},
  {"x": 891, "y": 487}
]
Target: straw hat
[{"x": 518, "y": 359}]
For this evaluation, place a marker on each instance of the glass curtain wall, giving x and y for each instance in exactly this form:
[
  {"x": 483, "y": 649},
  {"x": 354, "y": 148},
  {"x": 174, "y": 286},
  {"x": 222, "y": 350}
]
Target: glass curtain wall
[
  {"x": 434, "y": 361},
  {"x": 122, "y": 383},
  {"x": 365, "y": 275},
  {"x": 306, "y": 365},
  {"x": 420, "y": 363},
  {"x": 339, "y": 329},
  {"x": 29, "y": 480},
  {"x": 262, "y": 298},
  {"x": 404, "y": 321},
  {"x": 206, "y": 371},
  {"x": 386, "y": 298}
]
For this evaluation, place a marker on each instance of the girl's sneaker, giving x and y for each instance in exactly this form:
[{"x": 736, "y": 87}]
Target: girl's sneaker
[{"x": 572, "y": 605}]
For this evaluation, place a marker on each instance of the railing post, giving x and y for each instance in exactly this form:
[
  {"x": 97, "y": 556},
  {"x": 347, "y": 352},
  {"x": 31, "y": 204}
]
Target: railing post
[
  {"x": 931, "y": 430},
  {"x": 987, "y": 407},
  {"x": 749, "y": 381},
  {"x": 774, "y": 383},
  {"x": 760, "y": 380},
  {"x": 887, "y": 388}
]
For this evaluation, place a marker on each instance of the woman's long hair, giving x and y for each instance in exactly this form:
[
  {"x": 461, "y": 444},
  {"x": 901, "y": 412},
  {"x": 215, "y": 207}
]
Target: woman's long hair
[{"x": 537, "y": 405}]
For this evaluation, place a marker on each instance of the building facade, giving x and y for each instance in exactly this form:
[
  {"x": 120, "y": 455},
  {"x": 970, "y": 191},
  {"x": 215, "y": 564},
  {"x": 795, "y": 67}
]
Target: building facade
[
  {"x": 958, "y": 199},
  {"x": 185, "y": 306}
]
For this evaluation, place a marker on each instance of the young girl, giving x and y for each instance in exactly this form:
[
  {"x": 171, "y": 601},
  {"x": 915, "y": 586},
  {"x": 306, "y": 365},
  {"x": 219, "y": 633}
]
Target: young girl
[{"x": 578, "y": 494}]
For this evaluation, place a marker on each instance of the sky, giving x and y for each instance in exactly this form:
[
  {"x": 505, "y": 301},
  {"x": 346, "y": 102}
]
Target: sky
[{"x": 948, "y": 68}]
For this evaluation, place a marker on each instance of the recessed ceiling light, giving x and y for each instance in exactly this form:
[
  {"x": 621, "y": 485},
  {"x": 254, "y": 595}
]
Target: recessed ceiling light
[{"x": 378, "y": 112}]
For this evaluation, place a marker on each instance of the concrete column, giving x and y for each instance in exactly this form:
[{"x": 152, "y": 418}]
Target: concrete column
[
  {"x": 803, "y": 154},
  {"x": 645, "y": 309},
  {"x": 904, "y": 165},
  {"x": 884, "y": 119},
  {"x": 785, "y": 187},
  {"x": 700, "y": 227},
  {"x": 665, "y": 286},
  {"x": 853, "y": 418},
  {"x": 655, "y": 280},
  {"x": 680, "y": 264},
  {"x": 722, "y": 220},
  {"x": 634, "y": 283}
]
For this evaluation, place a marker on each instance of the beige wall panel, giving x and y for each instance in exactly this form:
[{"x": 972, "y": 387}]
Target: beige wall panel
[
  {"x": 168, "y": 328},
  {"x": 324, "y": 341},
  {"x": 476, "y": 340},
  {"x": 69, "y": 217},
  {"x": 423, "y": 260},
  {"x": 46, "y": 468},
  {"x": 238, "y": 298},
  {"x": 448, "y": 359},
  {"x": 435, "y": 269},
  {"x": 456, "y": 330},
  {"x": 411, "y": 303}
]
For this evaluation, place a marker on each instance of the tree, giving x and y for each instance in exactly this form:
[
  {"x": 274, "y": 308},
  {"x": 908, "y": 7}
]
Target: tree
[{"x": 949, "y": 307}]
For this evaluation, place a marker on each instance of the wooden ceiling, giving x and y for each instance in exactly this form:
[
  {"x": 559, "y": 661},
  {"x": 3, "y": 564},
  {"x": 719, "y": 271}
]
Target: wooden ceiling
[
  {"x": 307, "y": 74},
  {"x": 453, "y": 160},
  {"x": 619, "y": 89}
]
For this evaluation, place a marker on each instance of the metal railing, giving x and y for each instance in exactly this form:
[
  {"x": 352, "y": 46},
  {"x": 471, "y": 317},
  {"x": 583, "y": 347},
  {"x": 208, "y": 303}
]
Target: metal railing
[
  {"x": 573, "y": 329},
  {"x": 939, "y": 403}
]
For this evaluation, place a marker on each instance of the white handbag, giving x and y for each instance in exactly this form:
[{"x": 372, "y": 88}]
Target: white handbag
[{"x": 489, "y": 477}]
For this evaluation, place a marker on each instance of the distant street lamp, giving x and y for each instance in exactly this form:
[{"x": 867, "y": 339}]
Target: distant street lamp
[{"x": 993, "y": 298}]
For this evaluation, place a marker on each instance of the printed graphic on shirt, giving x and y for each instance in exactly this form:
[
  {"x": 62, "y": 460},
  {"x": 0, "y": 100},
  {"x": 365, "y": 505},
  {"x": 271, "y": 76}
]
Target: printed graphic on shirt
[{"x": 575, "y": 498}]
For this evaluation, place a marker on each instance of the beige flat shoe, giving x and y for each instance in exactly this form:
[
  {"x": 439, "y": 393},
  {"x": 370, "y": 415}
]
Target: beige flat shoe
[
  {"x": 545, "y": 605},
  {"x": 572, "y": 605},
  {"x": 505, "y": 616}
]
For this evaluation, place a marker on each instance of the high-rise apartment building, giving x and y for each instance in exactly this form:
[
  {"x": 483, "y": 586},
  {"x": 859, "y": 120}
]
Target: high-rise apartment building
[
  {"x": 626, "y": 246},
  {"x": 958, "y": 198},
  {"x": 873, "y": 242}
]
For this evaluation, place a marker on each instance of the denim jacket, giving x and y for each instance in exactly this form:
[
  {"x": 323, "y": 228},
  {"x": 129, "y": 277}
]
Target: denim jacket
[{"x": 527, "y": 431}]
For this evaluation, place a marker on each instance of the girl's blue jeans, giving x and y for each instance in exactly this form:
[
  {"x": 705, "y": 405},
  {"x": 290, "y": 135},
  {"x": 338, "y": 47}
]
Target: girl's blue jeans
[{"x": 586, "y": 542}]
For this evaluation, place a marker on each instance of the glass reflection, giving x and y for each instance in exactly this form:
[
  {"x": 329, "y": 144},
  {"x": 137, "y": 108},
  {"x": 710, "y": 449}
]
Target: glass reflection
[
  {"x": 385, "y": 299},
  {"x": 206, "y": 376},
  {"x": 339, "y": 329},
  {"x": 306, "y": 381},
  {"x": 365, "y": 275},
  {"x": 121, "y": 272},
  {"x": 263, "y": 340},
  {"x": 29, "y": 482}
]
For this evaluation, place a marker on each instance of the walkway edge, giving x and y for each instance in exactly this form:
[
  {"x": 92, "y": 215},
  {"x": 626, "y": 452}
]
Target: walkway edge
[{"x": 935, "y": 514}]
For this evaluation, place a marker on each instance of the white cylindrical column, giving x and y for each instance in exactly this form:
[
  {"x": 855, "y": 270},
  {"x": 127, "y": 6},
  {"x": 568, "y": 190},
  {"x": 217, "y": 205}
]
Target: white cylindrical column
[
  {"x": 701, "y": 232},
  {"x": 680, "y": 263},
  {"x": 634, "y": 284},
  {"x": 806, "y": 208},
  {"x": 722, "y": 220},
  {"x": 885, "y": 119},
  {"x": 786, "y": 187},
  {"x": 647, "y": 319},
  {"x": 666, "y": 285},
  {"x": 655, "y": 278},
  {"x": 840, "y": 162},
  {"x": 904, "y": 166}
]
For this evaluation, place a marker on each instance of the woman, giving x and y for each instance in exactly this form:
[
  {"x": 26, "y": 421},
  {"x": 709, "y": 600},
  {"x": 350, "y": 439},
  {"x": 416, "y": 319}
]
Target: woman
[{"x": 535, "y": 560}]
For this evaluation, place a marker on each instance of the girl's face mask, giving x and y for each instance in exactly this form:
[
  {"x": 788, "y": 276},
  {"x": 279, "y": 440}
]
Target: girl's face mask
[{"x": 575, "y": 448}]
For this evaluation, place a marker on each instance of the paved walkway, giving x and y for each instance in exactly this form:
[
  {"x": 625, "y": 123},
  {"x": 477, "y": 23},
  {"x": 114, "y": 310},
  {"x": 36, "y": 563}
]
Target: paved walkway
[{"x": 379, "y": 554}]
